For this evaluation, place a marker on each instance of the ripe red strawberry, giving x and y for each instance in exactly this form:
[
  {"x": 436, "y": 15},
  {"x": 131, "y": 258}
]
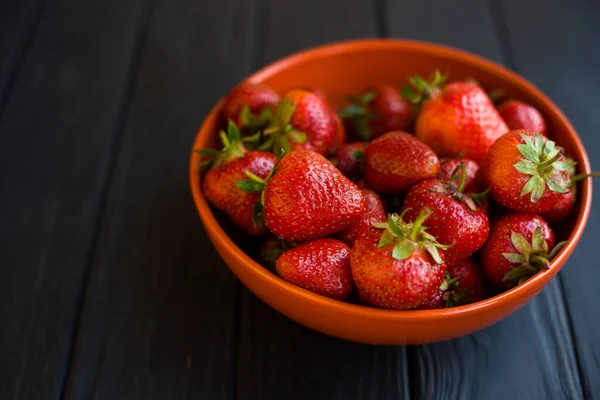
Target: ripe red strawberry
[
  {"x": 303, "y": 121},
  {"x": 397, "y": 265},
  {"x": 518, "y": 247},
  {"x": 449, "y": 165},
  {"x": 321, "y": 266},
  {"x": 562, "y": 210},
  {"x": 520, "y": 115},
  {"x": 245, "y": 103},
  {"x": 270, "y": 251},
  {"x": 526, "y": 172},
  {"x": 463, "y": 284},
  {"x": 436, "y": 301},
  {"x": 456, "y": 219},
  {"x": 470, "y": 284},
  {"x": 396, "y": 161},
  {"x": 349, "y": 159},
  {"x": 374, "y": 212},
  {"x": 306, "y": 197},
  {"x": 340, "y": 137},
  {"x": 228, "y": 167},
  {"x": 379, "y": 110},
  {"x": 456, "y": 119}
]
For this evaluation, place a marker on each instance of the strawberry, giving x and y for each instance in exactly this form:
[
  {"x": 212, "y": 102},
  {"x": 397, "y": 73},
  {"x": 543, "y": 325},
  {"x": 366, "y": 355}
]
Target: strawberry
[
  {"x": 470, "y": 284},
  {"x": 396, "y": 161},
  {"x": 270, "y": 251},
  {"x": 249, "y": 104},
  {"x": 456, "y": 219},
  {"x": 321, "y": 266},
  {"x": 436, "y": 301},
  {"x": 520, "y": 115},
  {"x": 303, "y": 121},
  {"x": 305, "y": 197},
  {"x": 463, "y": 284},
  {"x": 396, "y": 264},
  {"x": 340, "y": 137},
  {"x": 456, "y": 119},
  {"x": 227, "y": 167},
  {"x": 517, "y": 248},
  {"x": 349, "y": 159},
  {"x": 562, "y": 210},
  {"x": 379, "y": 110},
  {"x": 374, "y": 212},
  {"x": 449, "y": 165},
  {"x": 526, "y": 172}
]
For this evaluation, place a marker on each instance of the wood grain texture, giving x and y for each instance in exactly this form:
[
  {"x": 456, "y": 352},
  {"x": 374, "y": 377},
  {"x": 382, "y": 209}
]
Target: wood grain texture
[
  {"x": 55, "y": 140},
  {"x": 530, "y": 354},
  {"x": 159, "y": 315},
  {"x": 555, "y": 45},
  {"x": 279, "y": 359}
]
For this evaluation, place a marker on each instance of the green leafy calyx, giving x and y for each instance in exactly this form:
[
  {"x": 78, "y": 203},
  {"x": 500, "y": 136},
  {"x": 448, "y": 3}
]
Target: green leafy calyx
[
  {"x": 455, "y": 187},
  {"x": 421, "y": 89},
  {"x": 530, "y": 257},
  {"x": 255, "y": 184},
  {"x": 255, "y": 123},
  {"x": 407, "y": 237},
  {"x": 545, "y": 165},
  {"x": 358, "y": 112},
  {"x": 281, "y": 132},
  {"x": 233, "y": 147}
]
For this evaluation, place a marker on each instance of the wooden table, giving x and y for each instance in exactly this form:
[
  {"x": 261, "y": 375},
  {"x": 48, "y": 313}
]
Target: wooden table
[{"x": 110, "y": 288}]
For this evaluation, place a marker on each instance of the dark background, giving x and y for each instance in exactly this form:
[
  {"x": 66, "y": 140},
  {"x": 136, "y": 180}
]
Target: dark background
[{"x": 109, "y": 287}]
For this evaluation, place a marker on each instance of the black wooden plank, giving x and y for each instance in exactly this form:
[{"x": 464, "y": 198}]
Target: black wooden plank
[
  {"x": 530, "y": 354},
  {"x": 56, "y": 136},
  {"x": 159, "y": 314},
  {"x": 18, "y": 24},
  {"x": 279, "y": 359},
  {"x": 555, "y": 45}
]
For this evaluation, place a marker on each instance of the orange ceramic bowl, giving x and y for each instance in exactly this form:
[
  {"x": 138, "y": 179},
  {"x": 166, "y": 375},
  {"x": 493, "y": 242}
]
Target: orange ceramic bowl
[{"x": 349, "y": 67}]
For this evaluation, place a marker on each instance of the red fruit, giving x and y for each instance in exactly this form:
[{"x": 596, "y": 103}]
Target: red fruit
[
  {"x": 303, "y": 121},
  {"x": 526, "y": 172},
  {"x": 349, "y": 159},
  {"x": 457, "y": 119},
  {"x": 449, "y": 165},
  {"x": 228, "y": 167},
  {"x": 396, "y": 161},
  {"x": 435, "y": 302},
  {"x": 518, "y": 247},
  {"x": 306, "y": 197},
  {"x": 253, "y": 96},
  {"x": 374, "y": 212},
  {"x": 321, "y": 266},
  {"x": 520, "y": 115},
  {"x": 562, "y": 210},
  {"x": 271, "y": 250},
  {"x": 340, "y": 137},
  {"x": 380, "y": 110},
  {"x": 456, "y": 220},
  {"x": 470, "y": 284},
  {"x": 397, "y": 265},
  {"x": 463, "y": 284}
]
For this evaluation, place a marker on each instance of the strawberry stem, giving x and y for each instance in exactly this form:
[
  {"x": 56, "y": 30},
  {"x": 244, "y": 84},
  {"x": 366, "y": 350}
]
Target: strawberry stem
[
  {"x": 416, "y": 227},
  {"x": 580, "y": 177},
  {"x": 548, "y": 163},
  {"x": 463, "y": 177}
]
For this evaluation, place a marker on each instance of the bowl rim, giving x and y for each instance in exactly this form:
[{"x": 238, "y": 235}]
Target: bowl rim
[{"x": 536, "y": 283}]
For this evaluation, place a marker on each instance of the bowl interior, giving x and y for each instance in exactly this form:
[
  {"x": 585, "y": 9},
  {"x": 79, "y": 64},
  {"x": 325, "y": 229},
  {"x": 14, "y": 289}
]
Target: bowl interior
[{"x": 352, "y": 67}]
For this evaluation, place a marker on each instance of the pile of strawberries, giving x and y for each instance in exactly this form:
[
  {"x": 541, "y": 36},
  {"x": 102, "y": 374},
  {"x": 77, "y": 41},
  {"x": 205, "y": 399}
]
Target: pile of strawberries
[{"x": 420, "y": 198}]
